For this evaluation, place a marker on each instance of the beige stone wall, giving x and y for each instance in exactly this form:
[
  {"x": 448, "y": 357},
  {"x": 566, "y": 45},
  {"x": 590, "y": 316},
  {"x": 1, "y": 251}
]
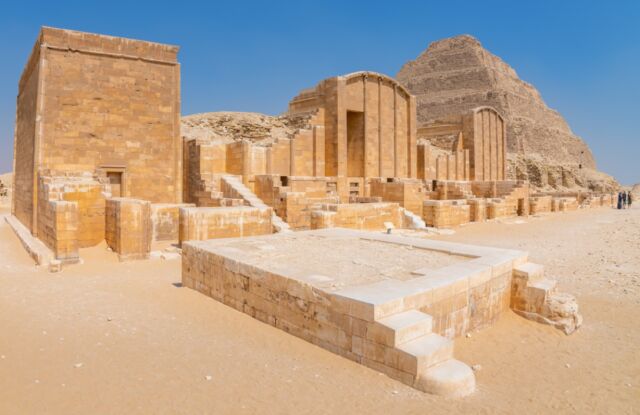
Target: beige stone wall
[
  {"x": 369, "y": 125},
  {"x": 539, "y": 204},
  {"x": 361, "y": 216},
  {"x": 408, "y": 194},
  {"x": 71, "y": 214},
  {"x": 446, "y": 213},
  {"x": 566, "y": 204},
  {"x": 477, "y": 210},
  {"x": 224, "y": 222},
  {"x": 475, "y": 142},
  {"x": 90, "y": 202},
  {"x": 165, "y": 221},
  {"x": 58, "y": 229},
  {"x": 501, "y": 208},
  {"x": 485, "y": 138},
  {"x": 128, "y": 227}
]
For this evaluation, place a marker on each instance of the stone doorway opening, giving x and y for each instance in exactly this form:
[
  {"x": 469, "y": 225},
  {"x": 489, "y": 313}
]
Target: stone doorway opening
[{"x": 355, "y": 144}]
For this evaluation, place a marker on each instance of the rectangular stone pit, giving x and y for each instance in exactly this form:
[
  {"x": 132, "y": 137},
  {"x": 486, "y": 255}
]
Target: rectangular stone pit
[{"x": 389, "y": 302}]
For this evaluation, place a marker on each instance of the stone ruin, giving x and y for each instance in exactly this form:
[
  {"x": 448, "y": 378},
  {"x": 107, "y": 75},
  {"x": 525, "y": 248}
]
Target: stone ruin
[
  {"x": 308, "y": 199},
  {"x": 456, "y": 75}
]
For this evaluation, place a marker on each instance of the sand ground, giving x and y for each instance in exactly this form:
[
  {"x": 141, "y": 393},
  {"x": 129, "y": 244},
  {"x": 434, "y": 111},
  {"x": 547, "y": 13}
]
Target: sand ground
[{"x": 109, "y": 337}]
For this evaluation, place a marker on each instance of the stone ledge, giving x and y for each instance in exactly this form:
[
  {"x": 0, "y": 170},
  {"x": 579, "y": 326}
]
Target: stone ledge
[{"x": 35, "y": 248}]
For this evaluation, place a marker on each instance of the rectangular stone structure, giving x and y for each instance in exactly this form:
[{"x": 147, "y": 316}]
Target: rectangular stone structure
[
  {"x": 165, "y": 221},
  {"x": 128, "y": 228},
  {"x": 446, "y": 213},
  {"x": 362, "y": 216},
  {"x": 98, "y": 105},
  {"x": 389, "y": 302},
  {"x": 198, "y": 224}
]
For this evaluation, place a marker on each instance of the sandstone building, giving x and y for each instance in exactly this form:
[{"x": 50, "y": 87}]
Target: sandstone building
[
  {"x": 476, "y": 141},
  {"x": 95, "y": 115}
]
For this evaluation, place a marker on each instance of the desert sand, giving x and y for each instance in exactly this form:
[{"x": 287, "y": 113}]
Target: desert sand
[{"x": 110, "y": 337}]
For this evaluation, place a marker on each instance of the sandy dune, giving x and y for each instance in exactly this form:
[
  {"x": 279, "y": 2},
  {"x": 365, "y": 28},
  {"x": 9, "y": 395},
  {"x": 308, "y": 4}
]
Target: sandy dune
[{"x": 109, "y": 337}]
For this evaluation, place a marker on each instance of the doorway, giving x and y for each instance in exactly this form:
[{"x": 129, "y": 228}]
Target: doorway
[
  {"x": 355, "y": 144},
  {"x": 115, "y": 179}
]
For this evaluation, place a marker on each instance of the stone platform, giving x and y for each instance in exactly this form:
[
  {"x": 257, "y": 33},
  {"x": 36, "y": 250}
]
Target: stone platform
[{"x": 389, "y": 302}]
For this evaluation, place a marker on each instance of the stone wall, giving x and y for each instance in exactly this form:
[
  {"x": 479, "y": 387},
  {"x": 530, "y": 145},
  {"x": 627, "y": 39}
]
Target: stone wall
[
  {"x": 58, "y": 229},
  {"x": 446, "y": 213},
  {"x": 539, "y": 204},
  {"x": 165, "y": 221},
  {"x": 369, "y": 125},
  {"x": 407, "y": 193},
  {"x": 361, "y": 216},
  {"x": 71, "y": 214},
  {"x": 224, "y": 222}
]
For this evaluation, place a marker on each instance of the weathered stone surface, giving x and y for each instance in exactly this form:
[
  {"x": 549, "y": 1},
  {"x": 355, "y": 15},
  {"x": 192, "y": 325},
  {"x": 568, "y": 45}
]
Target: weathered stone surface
[
  {"x": 457, "y": 74},
  {"x": 227, "y": 127}
]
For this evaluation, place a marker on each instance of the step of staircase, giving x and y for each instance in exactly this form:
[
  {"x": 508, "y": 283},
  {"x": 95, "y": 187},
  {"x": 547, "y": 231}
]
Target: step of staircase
[
  {"x": 415, "y": 221},
  {"x": 278, "y": 224},
  {"x": 545, "y": 284},
  {"x": 450, "y": 378},
  {"x": 417, "y": 355},
  {"x": 530, "y": 271},
  {"x": 401, "y": 328}
]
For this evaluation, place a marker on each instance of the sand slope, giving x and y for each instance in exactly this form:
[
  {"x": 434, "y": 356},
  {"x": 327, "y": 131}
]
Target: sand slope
[{"x": 109, "y": 337}]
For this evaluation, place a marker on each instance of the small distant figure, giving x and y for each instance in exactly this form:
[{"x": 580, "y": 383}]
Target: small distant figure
[
  {"x": 629, "y": 199},
  {"x": 619, "y": 200}
]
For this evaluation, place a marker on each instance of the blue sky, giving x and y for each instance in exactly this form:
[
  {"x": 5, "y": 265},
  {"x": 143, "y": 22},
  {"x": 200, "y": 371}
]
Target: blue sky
[{"x": 583, "y": 56}]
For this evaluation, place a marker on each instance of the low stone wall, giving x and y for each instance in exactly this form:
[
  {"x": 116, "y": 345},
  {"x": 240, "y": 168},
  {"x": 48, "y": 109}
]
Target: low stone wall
[
  {"x": 363, "y": 216},
  {"x": 477, "y": 210},
  {"x": 446, "y": 213},
  {"x": 567, "y": 204},
  {"x": 198, "y": 224},
  {"x": 91, "y": 212},
  {"x": 128, "y": 227},
  {"x": 540, "y": 204},
  {"x": 409, "y": 194},
  {"x": 165, "y": 221},
  {"x": 58, "y": 229},
  {"x": 71, "y": 214},
  {"x": 296, "y": 208},
  {"x": 501, "y": 208}
]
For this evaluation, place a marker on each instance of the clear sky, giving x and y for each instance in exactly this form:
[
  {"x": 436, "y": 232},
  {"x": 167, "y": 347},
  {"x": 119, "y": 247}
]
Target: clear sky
[{"x": 583, "y": 56}]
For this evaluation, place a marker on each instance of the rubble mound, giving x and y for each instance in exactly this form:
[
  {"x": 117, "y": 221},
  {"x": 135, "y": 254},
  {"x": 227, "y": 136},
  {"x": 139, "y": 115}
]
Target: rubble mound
[
  {"x": 6, "y": 181},
  {"x": 455, "y": 75},
  {"x": 227, "y": 127}
]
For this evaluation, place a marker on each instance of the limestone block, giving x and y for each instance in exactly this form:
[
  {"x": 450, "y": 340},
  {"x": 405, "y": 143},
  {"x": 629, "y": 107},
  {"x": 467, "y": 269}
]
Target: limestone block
[{"x": 128, "y": 228}]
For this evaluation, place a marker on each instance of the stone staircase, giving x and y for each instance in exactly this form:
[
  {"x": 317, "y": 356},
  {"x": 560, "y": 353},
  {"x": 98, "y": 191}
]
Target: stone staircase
[
  {"x": 411, "y": 220},
  {"x": 536, "y": 297},
  {"x": 419, "y": 357},
  {"x": 232, "y": 187}
]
